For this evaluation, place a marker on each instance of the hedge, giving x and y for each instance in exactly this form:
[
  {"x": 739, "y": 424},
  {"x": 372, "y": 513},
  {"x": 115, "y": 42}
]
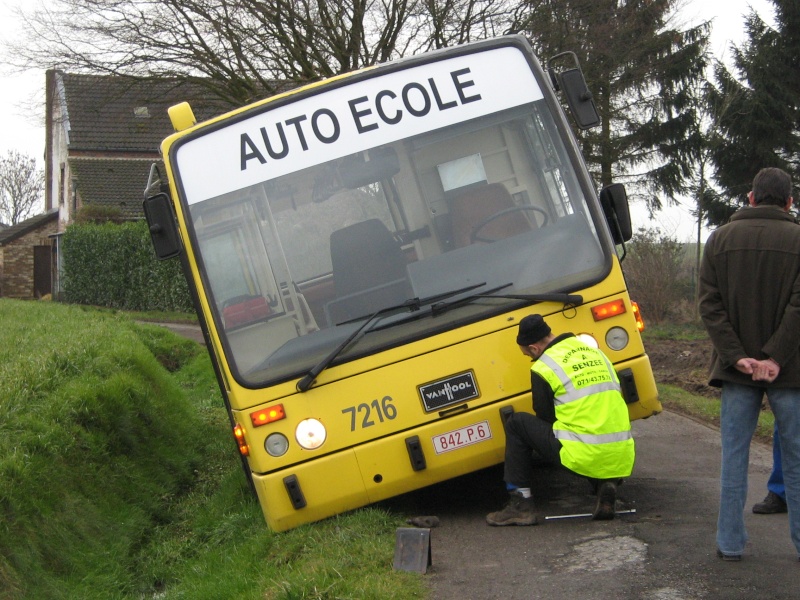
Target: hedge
[{"x": 113, "y": 265}]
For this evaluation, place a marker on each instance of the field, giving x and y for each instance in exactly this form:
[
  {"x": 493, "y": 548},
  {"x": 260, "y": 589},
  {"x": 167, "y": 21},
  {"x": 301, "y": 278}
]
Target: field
[
  {"x": 682, "y": 363},
  {"x": 680, "y": 359},
  {"x": 119, "y": 478}
]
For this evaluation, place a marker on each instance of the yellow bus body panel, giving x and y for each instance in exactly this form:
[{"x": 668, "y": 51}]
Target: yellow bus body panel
[
  {"x": 351, "y": 406},
  {"x": 379, "y": 470},
  {"x": 360, "y": 465},
  {"x": 382, "y": 469}
]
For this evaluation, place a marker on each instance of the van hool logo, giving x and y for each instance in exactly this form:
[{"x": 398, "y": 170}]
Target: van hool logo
[{"x": 454, "y": 389}]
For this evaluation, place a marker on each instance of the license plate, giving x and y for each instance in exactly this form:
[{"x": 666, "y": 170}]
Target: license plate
[{"x": 459, "y": 438}]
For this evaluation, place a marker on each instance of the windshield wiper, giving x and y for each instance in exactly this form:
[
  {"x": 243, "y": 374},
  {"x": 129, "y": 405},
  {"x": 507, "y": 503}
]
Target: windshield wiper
[
  {"x": 438, "y": 306},
  {"x": 411, "y": 305},
  {"x": 565, "y": 299},
  {"x": 305, "y": 383},
  {"x": 442, "y": 307},
  {"x": 416, "y": 302}
]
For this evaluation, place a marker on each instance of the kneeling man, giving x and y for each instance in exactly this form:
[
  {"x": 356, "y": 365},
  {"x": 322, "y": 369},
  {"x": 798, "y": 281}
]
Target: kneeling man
[{"x": 581, "y": 422}]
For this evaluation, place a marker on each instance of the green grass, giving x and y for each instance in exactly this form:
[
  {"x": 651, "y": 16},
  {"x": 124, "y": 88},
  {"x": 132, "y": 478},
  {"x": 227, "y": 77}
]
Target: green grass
[
  {"x": 119, "y": 478},
  {"x": 706, "y": 409},
  {"x": 671, "y": 331},
  {"x": 156, "y": 316}
]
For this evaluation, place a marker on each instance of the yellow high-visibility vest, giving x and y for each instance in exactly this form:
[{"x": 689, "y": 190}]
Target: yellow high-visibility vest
[{"x": 592, "y": 421}]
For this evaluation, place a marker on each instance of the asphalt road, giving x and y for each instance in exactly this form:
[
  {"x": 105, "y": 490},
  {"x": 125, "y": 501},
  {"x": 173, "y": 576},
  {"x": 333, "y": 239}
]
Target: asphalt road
[{"x": 664, "y": 551}]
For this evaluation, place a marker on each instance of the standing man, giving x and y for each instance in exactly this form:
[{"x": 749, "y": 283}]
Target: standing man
[
  {"x": 581, "y": 422},
  {"x": 750, "y": 306}
]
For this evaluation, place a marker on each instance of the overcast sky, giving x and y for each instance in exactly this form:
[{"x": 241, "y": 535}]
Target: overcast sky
[{"x": 22, "y": 95}]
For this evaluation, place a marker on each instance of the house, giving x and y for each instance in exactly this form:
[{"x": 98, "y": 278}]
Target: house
[
  {"x": 26, "y": 257},
  {"x": 102, "y": 135}
]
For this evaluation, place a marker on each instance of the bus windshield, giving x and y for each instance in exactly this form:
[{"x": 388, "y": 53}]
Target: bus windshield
[{"x": 458, "y": 188}]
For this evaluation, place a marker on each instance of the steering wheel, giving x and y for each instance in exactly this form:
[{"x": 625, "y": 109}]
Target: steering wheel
[{"x": 474, "y": 237}]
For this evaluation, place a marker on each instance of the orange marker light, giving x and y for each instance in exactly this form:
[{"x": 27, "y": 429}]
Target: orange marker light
[
  {"x": 638, "y": 316},
  {"x": 267, "y": 415},
  {"x": 238, "y": 433},
  {"x": 609, "y": 309}
]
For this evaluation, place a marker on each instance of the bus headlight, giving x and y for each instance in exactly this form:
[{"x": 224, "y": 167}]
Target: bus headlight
[
  {"x": 617, "y": 338},
  {"x": 588, "y": 339},
  {"x": 276, "y": 444},
  {"x": 310, "y": 434}
]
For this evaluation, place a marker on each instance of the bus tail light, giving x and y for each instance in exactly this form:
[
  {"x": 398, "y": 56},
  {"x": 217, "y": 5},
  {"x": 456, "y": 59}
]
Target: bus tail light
[
  {"x": 638, "y": 316},
  {"x": 238, "y": 433},
  {"x": 609, "y": 309},
  {"x": 267, "y": 415}
]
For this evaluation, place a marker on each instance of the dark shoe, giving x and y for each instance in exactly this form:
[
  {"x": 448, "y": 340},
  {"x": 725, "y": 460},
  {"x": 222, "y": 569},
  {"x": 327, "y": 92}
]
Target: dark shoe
[
  {"x": 771, "y": 505},
  {"x": 518, "y": 511},
  {"x": 729, "y": 557},
  {"x": 606, "y": 502}
]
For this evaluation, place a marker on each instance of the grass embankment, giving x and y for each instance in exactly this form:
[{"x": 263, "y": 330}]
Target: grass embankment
[
  {"x": 119, "y": 479},
  {"x": 702, "y": 408}
]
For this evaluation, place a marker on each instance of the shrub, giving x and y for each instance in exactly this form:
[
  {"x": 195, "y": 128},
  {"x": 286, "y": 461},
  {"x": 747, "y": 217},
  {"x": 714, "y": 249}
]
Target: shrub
[
  {"x": 98, "y": 213},
  {"x": 113, "y": 265},
  {"x": 655, "y": 273}
]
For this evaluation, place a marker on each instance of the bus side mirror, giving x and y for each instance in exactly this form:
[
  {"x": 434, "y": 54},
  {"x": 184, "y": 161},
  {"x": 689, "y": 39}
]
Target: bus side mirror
[
  {"x": 579, "y": 98},
  {"x": 614, "y": 200},
  {"x": 163, "y": 227}
]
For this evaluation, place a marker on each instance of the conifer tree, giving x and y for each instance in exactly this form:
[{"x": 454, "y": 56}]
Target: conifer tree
[
  {"x": 757, "y": 109},
  {"x": 644, "y": 74}
]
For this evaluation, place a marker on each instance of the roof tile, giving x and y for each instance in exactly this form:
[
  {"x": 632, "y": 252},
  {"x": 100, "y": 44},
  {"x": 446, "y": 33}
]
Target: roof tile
[{"x": 122, "y": 114}]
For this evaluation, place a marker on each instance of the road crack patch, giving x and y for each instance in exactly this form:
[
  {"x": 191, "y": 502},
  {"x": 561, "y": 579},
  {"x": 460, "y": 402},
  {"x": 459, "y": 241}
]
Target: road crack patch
[{"x": 604, "y": 554}]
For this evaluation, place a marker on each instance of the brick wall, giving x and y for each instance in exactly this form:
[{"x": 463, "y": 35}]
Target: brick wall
[{"x": 16, "y": 277}]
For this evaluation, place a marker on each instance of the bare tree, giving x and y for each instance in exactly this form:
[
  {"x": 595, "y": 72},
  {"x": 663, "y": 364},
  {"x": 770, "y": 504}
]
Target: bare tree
[
  {"x": 243, "y": 49},
  {"x": 452, "y": 22},
  {"x": 654, "y": 272},
  {"x": 640, "y": 68},
  {"x": 21, "y": 187}
]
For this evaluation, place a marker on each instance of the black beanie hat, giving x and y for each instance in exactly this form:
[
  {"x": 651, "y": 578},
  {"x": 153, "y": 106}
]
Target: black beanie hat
[{"x": 532, "y": 329}]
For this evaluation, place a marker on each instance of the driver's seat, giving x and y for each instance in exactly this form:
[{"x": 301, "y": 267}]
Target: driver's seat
[{"x": 477, "y": 204}]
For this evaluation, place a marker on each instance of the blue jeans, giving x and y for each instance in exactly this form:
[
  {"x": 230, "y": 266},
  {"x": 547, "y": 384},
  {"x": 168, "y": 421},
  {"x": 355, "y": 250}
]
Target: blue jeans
[
  {"x": 775, "y": 482},
  {"x": 739, "y": 415}
]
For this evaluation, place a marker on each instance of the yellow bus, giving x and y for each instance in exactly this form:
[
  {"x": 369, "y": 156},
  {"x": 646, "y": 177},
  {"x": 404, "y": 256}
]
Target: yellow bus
[{"x": 361, "y": 251}]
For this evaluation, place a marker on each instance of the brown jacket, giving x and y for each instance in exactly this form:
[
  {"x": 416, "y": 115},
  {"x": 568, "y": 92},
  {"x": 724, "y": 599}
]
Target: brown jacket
[{"x": 750, "y": 294}]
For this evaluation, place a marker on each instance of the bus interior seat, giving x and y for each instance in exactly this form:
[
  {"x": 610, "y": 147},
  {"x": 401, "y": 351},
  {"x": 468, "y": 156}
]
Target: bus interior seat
[
  {"x": 369, "y": 271},
  {"x": 476, "y": 204}
]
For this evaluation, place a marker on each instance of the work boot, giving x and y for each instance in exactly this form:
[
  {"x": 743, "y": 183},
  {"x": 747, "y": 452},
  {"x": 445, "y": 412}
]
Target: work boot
[
  {"x": 605, "y": 509},
  {"x": 518, "y": 511},
  {"x": 771, "y": 505}
]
